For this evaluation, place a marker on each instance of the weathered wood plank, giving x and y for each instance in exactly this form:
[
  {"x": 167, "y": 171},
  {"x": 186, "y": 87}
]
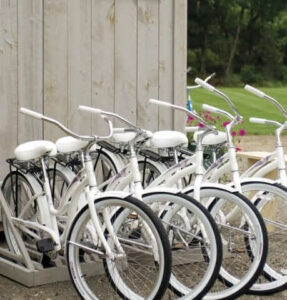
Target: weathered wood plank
[
  {"x": 8, "y": 80},
  {"x": 30, "y": 67},
  {"x": 147, "y": 84},
  {"x": 55, "y": 65},
  {"x": 103, "y": 52},
  {"x": 180, "y": 44},
  {"x": 79, "y": 63},
  {"x": 166, "y": 62},
  {"x": 126, "y": 58}
]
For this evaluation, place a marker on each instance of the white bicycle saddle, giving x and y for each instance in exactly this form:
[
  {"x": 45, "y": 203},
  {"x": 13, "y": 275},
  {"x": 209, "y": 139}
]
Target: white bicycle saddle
[
  {"x": 212, "y": 138},
  {"x": 168, "y": 139},
  {"x": 68, "y": 144},
  {"x": 35, "y": 149}
]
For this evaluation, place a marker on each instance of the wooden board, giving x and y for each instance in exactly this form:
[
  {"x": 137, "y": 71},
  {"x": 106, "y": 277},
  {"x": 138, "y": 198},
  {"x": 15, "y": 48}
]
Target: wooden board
[
  {"x": 56, "y": 103},
  {"x": 148, "y": 69},
  {"x": 30, "y": 67},
  {"x": 179, "y": 73},
  {"x": 126, "y": 58},
  {"x": 79, "y": 64},
  {"x": 103, "y": 52},
  {"x": 8, "y": 81},
  {"x": 165, "y": 115}
]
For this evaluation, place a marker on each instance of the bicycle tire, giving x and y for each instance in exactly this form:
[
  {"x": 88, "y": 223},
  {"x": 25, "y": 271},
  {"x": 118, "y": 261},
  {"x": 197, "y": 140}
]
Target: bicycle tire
[
  {"x": 270, "y": 200},
  {"x": 73, "y": 255},
  {"x": 230, "y": 285},
  {"x": 189, "y": 280}
]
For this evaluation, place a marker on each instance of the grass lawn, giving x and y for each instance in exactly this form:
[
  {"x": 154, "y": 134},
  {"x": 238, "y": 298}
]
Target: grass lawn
[{"x": 247, "y": 104}]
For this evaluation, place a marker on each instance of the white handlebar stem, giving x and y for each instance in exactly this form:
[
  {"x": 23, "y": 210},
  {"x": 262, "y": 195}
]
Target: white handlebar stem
[
  {"x": 254, "y": 91},
  {"x": 31, "y": 113}
]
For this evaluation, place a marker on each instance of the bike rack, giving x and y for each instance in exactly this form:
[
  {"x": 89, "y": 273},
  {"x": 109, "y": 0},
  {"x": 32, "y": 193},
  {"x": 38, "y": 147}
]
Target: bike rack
[{"x": 22, "y": 269}]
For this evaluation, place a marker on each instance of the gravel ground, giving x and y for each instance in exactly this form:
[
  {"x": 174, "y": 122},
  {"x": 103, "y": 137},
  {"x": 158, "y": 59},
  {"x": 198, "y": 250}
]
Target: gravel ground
[{"x": 65, "y": 290}]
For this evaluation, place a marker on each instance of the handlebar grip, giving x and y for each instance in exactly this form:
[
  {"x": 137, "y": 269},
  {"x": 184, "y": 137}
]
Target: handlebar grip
[
  {"x": 119, "y": 130},
  {"x": 158, "y": 102},
  {"x": 257, "y": 120},
  {"x": 210, "y": 108},
  {"x": 90, "y": 109},
  {"x": 254, "y": 91},
  {"x": 204, "y": 84},
  {"x": 191, "y": 129},
  {"x": 31, "y": 113}
]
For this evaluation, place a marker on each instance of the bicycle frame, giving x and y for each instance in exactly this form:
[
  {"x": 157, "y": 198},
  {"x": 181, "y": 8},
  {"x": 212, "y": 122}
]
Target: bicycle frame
[{"x": 85, "y": 181}]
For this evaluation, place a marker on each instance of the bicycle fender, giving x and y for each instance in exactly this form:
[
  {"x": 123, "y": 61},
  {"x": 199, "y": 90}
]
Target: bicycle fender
[
  {"x": 111, "y": 194},
  {"x": 160, "y": 189},
  {"x": 260, "y": 179},
  {"x": 211, "y": 185}
]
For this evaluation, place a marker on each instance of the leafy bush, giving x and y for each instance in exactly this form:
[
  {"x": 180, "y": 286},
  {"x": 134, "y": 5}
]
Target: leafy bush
[{"x": 250, "y": 74}]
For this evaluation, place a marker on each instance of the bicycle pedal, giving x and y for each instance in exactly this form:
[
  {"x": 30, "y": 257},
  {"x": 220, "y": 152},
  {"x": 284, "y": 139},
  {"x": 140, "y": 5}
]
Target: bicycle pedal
[
  {"x": 133, "y": 216},
  {"x": 238, "y": 250},
  {"x": 178, "y": 246},
  {"x": 45, "y": 245}
]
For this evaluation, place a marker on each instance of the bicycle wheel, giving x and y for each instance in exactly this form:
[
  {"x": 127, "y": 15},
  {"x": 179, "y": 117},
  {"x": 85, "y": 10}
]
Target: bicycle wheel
[
  {"x": 18, "y": 189},
  {"x": 271, "y": 201},
  {"x": 195, "y": 243},
  {"x": 104, "y": 167},
  {"x": 239, "y": 224},
  {"x": 149, "y": 172},
  {"x": 59, "y": 182},
  {"x": 142, "y": 272}
]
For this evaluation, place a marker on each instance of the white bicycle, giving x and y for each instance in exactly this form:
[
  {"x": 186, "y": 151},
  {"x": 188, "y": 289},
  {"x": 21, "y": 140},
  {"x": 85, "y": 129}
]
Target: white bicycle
[
  {"x": 265, "y": 194},
  {"x": 136, "y": 266},
  {"x": 194, "y": 238},
  {"x": 220, "y": 199}
]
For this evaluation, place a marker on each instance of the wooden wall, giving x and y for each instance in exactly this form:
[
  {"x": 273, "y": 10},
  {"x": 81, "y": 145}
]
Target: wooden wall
[{"x": 111, "y": 54}]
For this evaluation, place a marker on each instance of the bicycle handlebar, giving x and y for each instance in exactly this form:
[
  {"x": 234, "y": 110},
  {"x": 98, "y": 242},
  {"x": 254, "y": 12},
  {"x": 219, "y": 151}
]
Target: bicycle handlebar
[
  {"x": 37, "y": 115},
  {"x": 212, "y": 89},
  {"x": 218, "y": 111},
  {"x": 261, "y": 94},
  {"x": 90, "y": 109},
  {"x": 204, "y": 84},
  {"x": 254, "y": 91},
  {"x": 191, "y": 113},
  {"x": 257, "y": 120},
  {"x": 31, "y": 113},
  {"x": 210, "y": 108},
  {"x": 189, "y": 87},
  {"x": 265, "y": 121},
  {"x": 111, "y": 114},
  {"x": 161, "y": 103}
]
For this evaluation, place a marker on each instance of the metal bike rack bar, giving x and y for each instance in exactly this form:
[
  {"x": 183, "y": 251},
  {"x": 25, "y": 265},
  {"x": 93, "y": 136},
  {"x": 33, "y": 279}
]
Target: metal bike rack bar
[{"x": 22, "y": 269}]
